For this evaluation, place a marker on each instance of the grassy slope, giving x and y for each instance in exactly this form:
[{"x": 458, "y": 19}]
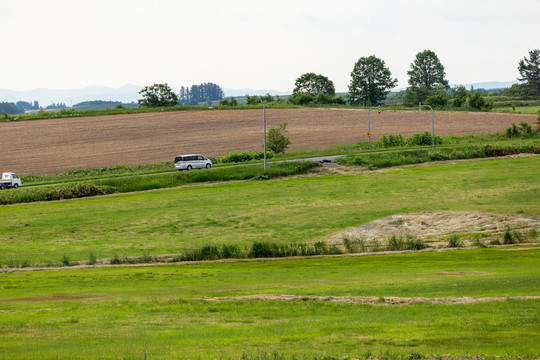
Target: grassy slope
[
  {"x": 287, "y": 210},
  {"x": 125, "y": 312}
]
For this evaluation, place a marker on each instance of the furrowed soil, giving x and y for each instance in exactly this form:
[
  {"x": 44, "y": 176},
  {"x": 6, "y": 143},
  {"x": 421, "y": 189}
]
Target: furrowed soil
[{"x": 56, "y": 145}]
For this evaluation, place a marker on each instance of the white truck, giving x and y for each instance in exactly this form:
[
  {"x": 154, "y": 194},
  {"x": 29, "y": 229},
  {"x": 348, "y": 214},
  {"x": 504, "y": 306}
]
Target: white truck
[{"x": 10, "y": 180}]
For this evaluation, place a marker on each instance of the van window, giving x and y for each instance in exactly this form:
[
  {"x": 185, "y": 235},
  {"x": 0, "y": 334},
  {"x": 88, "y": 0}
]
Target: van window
[{"x": 178, "y": 158}]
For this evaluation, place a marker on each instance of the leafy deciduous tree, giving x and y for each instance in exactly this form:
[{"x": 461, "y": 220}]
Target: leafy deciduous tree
[
  {"x": 427, "y": 70},
  {"x": 371, "y": 81},
  {"x": 314, "y": 84},
  {"x": 157, "y": 95}
]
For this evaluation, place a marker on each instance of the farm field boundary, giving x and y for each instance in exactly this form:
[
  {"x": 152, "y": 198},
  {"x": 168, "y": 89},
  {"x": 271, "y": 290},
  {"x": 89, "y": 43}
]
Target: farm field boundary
[{"x": 149, "y": 138}]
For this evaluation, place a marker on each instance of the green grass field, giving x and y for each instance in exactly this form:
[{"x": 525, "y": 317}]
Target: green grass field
[
  {"x": 300, "y": 209},
  {"x": 159, "y": 311}
]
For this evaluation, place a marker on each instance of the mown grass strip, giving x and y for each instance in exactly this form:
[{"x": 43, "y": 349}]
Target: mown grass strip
[{"x": 157, "y": 310}]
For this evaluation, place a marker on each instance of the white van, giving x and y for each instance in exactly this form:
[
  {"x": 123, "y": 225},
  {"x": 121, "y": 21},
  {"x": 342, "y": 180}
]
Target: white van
[{"x": 191, "y": 161}]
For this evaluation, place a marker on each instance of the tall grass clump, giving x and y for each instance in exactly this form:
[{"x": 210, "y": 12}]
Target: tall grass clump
[
  {"x": 409, "y": 243},
  {"x": 454, "y": 241}
]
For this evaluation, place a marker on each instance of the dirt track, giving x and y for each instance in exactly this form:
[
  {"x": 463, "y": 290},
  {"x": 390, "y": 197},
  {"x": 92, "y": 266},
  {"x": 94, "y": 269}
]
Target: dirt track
[{"x": 50, "y": 146}]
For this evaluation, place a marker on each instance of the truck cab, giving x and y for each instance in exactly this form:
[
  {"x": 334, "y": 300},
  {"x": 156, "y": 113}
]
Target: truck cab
[{"x": 10, "y": 180}]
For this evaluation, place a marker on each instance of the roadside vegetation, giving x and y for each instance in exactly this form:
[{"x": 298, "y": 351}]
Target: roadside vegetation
[{"x": 135, "y": 183}]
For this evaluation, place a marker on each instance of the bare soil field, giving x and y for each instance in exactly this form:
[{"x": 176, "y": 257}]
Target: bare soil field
[{"x": 55, "y": 145}]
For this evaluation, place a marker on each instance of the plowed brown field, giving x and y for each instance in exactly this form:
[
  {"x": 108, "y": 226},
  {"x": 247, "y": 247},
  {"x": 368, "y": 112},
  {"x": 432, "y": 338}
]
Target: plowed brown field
[{"x": 50, "y": 146}]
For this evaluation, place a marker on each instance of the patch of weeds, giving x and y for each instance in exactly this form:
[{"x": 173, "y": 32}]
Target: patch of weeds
[
  {"x": 353, "y": 246},
  {"x": 495, "y": 242},
  {"x": 477, "y": 242},
  {"x": 395, "y": 244},
  {"x": 92, "y": 259},
  {"x": 413, "y": 243},
  {"x": 397, "y": 222},
  {"x": 533, "y": 234},
  {"x": 65, "y": 261},
  {"x": 375, "y": 245},
  {"x": 509, "y": 238},
  {"x": 334, "y": 250},
  {"x": 454, "y": 241},
  {"x": 116, "y": 260}
]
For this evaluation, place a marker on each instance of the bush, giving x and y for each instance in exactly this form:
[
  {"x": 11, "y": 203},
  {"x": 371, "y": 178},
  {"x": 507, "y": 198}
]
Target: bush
[{"x": 277, "y": 141}]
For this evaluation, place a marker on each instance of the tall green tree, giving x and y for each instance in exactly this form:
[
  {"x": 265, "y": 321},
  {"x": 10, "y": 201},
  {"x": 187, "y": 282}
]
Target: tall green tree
[
  {"x": 529, "y": 69},
  {"x": 158, "y": 95},
  {"x": 427, "y": 70},
  {"x": 371, "y": 81},
  {"x": 314, "y": 84},
  {"x": 426, "y": 78}
]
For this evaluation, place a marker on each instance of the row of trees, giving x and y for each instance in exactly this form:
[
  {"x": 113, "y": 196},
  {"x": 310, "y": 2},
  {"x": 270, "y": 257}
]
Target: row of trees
[
  {"x": 371, "y": 82},
  {"x": 200, "y": 93},
  {"x": 161, "y": 95}
]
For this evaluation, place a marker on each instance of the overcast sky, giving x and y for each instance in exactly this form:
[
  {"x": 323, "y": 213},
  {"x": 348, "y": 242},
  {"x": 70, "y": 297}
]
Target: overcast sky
[{"x": 62, "y": 44}]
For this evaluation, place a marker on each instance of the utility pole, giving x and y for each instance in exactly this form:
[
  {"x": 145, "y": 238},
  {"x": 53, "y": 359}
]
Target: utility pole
[
  {"x": 264, "y": 128},
  {"x": 368, "y": 123},
  {"x": 432, "y": 126}
]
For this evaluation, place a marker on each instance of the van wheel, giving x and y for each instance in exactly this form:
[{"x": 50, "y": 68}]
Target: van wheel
[
  {"x": 2, "y": 186},
  {"x": 208, "y": 166},
  {"x": 188, "y": 167},
  {"x": 15, "y": 186}
]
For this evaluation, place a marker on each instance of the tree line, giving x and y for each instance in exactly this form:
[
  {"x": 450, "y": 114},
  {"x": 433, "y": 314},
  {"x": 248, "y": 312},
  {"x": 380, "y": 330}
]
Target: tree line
[{"x": 372, "y": 81}]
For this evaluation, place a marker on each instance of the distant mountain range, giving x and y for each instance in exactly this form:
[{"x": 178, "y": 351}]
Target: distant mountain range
[{"x": 130, "y": 93}]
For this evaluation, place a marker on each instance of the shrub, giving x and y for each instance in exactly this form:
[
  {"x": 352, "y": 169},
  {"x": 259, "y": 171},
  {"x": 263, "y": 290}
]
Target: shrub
[{"x": 277, "y": 141}]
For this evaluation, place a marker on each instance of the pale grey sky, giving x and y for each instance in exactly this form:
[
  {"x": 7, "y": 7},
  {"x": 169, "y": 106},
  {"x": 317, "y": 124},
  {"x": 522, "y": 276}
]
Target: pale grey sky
[{"x": 62, "y": 44}]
